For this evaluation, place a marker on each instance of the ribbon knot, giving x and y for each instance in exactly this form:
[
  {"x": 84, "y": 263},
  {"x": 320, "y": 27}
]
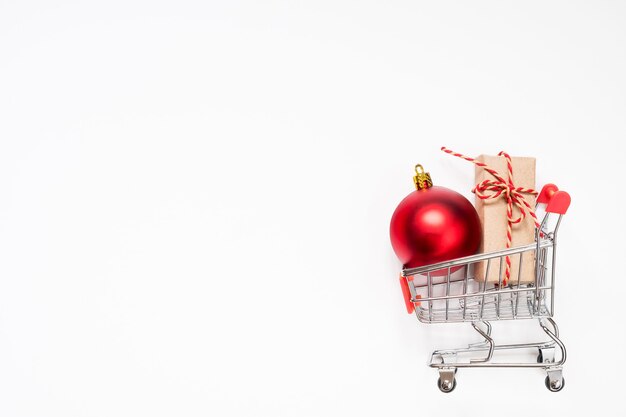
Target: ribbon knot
[{"x": 498, "y": 187}]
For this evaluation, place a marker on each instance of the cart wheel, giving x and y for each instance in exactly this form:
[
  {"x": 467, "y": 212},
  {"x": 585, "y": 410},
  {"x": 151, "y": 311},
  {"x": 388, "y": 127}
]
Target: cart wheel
[
  {"x": 446, "y": 386},
  {"x": 556, "y": 385},
  {"x": 546, "y": 355}
]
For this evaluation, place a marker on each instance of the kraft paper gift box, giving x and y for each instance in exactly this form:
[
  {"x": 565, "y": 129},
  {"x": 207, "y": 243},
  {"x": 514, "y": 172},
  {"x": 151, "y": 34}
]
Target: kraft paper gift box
[{"x": 493, "y": 217}]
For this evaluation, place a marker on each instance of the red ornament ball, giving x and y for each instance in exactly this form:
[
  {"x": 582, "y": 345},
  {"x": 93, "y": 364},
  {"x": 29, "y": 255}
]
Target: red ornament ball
[{"x": 434, "y": 224}]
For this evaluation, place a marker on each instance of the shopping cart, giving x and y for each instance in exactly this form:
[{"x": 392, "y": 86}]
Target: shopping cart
[{"x": 457, "y": 296}]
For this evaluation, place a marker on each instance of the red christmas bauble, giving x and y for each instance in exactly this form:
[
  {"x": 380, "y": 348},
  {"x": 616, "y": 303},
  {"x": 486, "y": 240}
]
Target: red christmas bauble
[{"x": 434, "y": 224}]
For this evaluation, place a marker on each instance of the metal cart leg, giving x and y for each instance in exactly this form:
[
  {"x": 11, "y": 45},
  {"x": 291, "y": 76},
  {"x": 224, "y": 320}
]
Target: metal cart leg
[
  {"x": 554, "y": 381},
  {"x": 488, "y": 340}
]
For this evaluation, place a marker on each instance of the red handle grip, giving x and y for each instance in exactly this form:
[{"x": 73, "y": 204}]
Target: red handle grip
[
  {"x": 559, "y": 203},
  {"x": 410, "y": 307},
  {"x": 406, "y": 293},
  {"x": 556, "y": 201},
  {"x": 546, "y": 193}
]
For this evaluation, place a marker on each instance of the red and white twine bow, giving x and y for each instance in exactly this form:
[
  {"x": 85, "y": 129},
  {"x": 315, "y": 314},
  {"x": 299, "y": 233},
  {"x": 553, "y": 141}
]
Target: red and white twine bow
[{"x": 499, "y": 187}]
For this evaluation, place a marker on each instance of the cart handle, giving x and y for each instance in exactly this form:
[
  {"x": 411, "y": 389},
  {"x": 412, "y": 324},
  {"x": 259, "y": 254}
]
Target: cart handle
[
  {"x": 406, "y": 294},
  {"x": 556, "y": 201},
  {"x": 546, "y": 193}
]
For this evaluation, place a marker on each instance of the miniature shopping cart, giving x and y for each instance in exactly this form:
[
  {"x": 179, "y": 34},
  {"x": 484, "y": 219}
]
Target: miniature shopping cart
[{"x": 457, "y": 296}]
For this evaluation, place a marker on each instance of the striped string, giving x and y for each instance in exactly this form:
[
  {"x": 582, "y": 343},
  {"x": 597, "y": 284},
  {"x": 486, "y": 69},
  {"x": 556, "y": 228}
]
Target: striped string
[{"x": 499, "y": 187}]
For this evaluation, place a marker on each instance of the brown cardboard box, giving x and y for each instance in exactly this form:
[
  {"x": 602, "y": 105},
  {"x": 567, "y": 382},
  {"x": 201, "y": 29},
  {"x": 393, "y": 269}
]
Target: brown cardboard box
[{"x": 492, "y": 213}]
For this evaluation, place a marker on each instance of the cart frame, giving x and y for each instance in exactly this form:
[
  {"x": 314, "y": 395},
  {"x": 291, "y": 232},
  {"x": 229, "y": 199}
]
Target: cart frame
[{"x": 448, "y": 292}]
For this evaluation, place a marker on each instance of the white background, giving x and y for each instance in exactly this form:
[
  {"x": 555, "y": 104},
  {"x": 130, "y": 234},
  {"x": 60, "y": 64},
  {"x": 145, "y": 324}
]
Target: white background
[{"x": 195, "y": 200}]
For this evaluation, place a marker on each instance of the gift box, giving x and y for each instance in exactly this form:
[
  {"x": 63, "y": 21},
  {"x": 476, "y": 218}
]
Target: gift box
[{"x": 494, "y": 220}]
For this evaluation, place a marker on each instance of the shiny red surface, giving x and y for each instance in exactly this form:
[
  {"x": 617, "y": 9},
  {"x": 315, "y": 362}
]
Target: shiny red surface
[{"x": 434, "y": 225}]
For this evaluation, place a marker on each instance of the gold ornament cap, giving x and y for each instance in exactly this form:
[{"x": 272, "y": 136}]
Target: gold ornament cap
[{"x": 422, "y": 179}]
